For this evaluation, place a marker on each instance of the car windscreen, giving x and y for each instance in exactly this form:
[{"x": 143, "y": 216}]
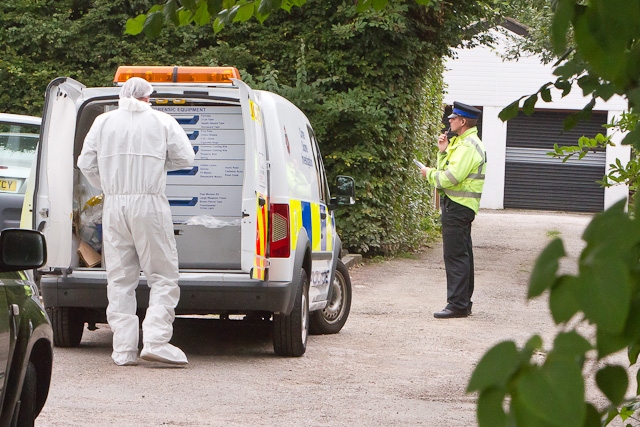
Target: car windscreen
[{"x": 18, "y": 144}]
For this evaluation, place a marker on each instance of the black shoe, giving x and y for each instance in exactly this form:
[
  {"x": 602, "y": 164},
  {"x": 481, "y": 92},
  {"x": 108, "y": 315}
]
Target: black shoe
[{"x": 450, "y": 314}]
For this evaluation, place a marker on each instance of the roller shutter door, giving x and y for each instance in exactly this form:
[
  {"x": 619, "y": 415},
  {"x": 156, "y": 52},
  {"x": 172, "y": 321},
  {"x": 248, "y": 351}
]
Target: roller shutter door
[{"x": 534, "y": 180}]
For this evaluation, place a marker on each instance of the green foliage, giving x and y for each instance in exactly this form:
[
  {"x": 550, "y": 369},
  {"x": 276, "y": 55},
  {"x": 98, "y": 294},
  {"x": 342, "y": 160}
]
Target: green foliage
[
  {"x": 371, "y": 84},
  {"x": 546, "y": 268},
  {"x": 549, "y": 393},
  {"x": 219, "y": 13},
  {"x": 601, "y": 62},
  {"x": 370, "y": 81},
  {"x": 627, "y": 174},
  {"x": 585, "y": 144},
  {"x": 536, "y": 15},
  {"x": 540, "y": 389},
  {"x": 42, "y": 40},
  {"x": 605, "y": 294}
]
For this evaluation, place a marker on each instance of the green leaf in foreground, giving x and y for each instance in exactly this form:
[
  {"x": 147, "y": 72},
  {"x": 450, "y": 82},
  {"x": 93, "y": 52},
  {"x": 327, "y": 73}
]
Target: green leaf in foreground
[
  {"x": 553, "y": 393},
  {"x": 613, "y": 382},
  {"x": 134, "y": 25},
  {"x": 562, "y": 300},
  {"x": 604, "y": 294},
  {"x": 571, "y": 347},
  {"x": 510, "y": 111},
  {"x": 495, "y": 367},
  {"x": 545, "y": 269},
  {"x": 490, "y": 412}
]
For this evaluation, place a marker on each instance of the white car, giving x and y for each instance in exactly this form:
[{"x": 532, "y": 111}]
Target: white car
[{"x": 19, "y": 137}]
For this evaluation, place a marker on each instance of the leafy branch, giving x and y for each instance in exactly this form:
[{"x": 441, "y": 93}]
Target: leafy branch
[
  {"x": 219, "y": 13},
  {"x": 599, "y": 48},
  {"x": 546, "y": 387}
]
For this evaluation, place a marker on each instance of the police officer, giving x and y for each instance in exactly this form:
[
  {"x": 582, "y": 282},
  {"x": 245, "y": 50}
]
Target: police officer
[{"x": 459, "y": 178}]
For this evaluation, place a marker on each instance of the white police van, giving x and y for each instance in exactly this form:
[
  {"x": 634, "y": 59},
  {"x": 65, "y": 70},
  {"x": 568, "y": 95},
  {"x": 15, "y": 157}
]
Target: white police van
[{"x": 253, "y": 217}]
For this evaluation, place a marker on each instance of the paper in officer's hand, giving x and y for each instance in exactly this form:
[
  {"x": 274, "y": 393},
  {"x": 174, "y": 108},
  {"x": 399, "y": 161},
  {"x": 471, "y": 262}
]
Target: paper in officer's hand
[{"x": 418, "y": 164}]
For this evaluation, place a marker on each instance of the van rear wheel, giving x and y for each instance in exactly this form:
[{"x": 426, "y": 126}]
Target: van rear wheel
[
  {"x": 332, "y": 318},
  {"x": 290, "y": 332},
  {"x": 67, "y": 324}
]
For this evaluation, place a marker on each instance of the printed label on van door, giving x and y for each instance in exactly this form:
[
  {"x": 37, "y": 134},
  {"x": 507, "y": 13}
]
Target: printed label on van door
[
  {"x": 209, "y": 201},
  {"x": 192, "y": 109},
  {"x": 209, "y": 121},
  {"x": 219, "y": 121},
  {"x": 205, "y": 117},
  {"x": 223, "y": 202},
  {"x": 219, "y": 152},
  {"x": 207, "y": 172},
  {"x": 215, "y": 136}
]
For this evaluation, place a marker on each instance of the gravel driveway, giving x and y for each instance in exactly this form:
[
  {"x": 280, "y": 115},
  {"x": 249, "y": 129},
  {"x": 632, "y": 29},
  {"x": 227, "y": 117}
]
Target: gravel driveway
[{"x": 393, "y": 364}]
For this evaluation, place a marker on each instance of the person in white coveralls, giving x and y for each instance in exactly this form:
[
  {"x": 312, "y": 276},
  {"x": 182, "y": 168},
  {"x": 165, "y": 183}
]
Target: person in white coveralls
[{"x": 127, "y": 154}]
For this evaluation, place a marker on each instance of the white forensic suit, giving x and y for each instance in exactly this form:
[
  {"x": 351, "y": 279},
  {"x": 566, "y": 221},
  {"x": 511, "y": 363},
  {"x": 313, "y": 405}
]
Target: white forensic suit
[{"x": 127, "y": 154}]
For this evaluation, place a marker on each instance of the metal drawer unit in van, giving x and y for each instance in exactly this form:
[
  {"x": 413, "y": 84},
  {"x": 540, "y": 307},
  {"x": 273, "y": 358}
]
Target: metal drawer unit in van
[{"x": 211, "y": 189}]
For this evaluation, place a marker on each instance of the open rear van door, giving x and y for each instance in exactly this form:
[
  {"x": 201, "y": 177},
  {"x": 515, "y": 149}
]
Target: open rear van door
[
  {"x": 255, "y": 200},
  {"x": 53, "y": 200}
]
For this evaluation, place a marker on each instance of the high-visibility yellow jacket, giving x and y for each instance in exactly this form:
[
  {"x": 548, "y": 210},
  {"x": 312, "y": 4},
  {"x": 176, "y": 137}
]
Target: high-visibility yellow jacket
[{"x": 461, "y": 169}]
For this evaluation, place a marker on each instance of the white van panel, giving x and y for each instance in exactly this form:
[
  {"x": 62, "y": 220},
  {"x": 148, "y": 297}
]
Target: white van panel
[
  {"x": 200, "y": 247},
  {"x": 290, "y": 146},
  {"x": 58, "y": 150}
]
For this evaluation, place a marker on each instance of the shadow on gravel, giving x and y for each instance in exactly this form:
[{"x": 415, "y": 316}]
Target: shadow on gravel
[{"x": 209, "y": 337}]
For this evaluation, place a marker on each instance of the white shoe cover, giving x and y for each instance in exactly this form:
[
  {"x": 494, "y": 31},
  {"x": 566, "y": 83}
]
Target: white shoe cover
[
  {"x": 165, "y": 353},
  {"x": 125, "y": 358}
]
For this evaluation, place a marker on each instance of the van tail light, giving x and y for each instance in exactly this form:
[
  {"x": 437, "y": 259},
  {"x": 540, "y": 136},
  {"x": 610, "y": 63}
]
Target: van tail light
[{"x": 279, "y": 237}]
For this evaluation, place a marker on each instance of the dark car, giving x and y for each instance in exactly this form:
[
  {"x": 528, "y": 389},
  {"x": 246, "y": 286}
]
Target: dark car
[{"x": 26, "y": 337}]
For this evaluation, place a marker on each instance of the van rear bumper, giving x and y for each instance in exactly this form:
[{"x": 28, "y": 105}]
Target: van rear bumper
[{"x": 200, "y": 293}]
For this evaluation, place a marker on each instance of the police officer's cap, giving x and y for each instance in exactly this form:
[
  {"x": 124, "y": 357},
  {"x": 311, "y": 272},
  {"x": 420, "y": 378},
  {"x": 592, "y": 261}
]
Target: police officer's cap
[{"x": 464, "y": 110}]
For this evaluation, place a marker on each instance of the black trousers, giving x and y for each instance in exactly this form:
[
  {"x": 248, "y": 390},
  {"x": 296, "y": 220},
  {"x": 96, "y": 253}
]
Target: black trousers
[{"x": 458, "y": 253}]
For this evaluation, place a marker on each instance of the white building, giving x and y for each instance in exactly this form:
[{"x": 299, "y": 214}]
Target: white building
[{"x": 519, "y": 172}]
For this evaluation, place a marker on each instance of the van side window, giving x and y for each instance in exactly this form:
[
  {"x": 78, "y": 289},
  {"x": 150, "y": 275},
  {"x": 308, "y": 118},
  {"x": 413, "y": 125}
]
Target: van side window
[{"x": 323, "y": 186}]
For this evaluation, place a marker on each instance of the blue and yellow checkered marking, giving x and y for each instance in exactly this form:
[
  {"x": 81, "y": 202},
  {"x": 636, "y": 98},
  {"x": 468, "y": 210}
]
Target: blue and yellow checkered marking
[{"x": 309, "y": 216}]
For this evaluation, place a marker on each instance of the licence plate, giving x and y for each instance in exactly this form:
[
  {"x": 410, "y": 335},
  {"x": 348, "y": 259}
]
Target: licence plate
[{"x": 8, "y": 185}]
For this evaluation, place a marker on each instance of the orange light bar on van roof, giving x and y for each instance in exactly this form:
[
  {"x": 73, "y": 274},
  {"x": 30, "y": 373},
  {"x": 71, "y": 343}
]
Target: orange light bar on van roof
[{"x": 161, "y": 74}]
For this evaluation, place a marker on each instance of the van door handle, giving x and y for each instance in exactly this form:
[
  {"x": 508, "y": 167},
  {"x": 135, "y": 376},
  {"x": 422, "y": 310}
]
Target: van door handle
[
  {"x": 323, "y": 215},
  {"x": 261, "y": 201}
]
